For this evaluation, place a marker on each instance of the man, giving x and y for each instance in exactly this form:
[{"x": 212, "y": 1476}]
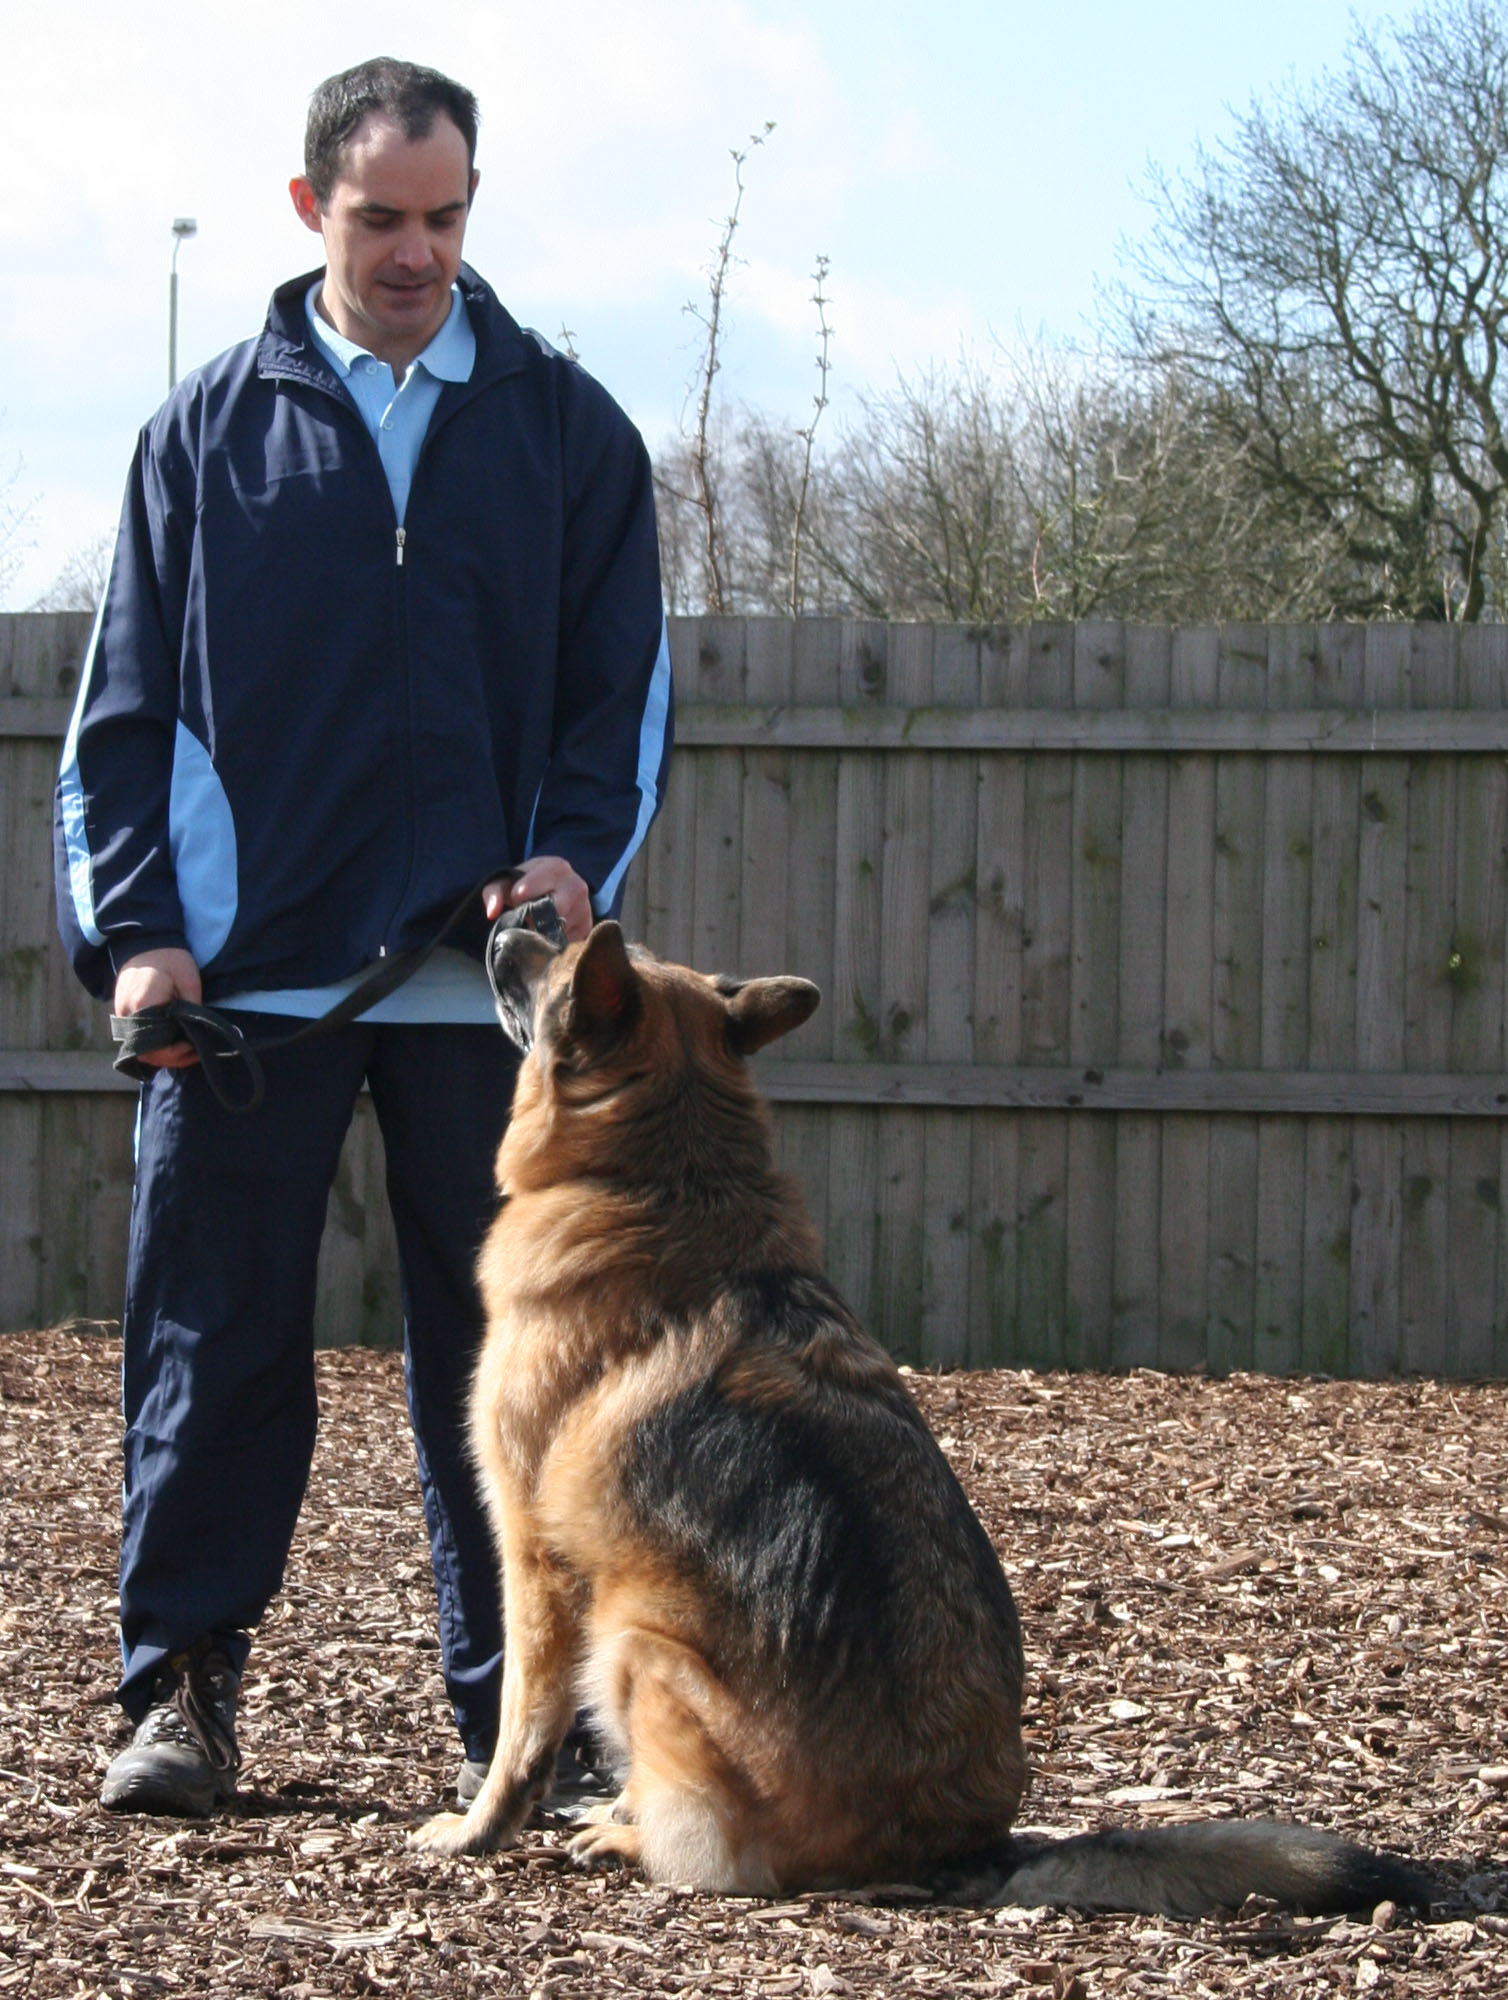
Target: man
[{"x": 383, "y": 622}]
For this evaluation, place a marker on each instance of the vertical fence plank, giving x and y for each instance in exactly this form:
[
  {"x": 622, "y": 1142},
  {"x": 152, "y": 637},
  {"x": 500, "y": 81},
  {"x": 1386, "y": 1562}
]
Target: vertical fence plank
[
  {"x": 1143, "y": 942},
  {"x": 812, "y": 846},
  {"x": 57, "y": 1183},
  {"x": 719, "y": 806},
  {"x": 342, "y": 1247},
  {"x": 113, "y": 1156},
  {"x": 634, "y": 912},
  {"x": 805, "y": 1131},
  {"x": 1324, "y": 1339},
  {"x": 1236, "y": 1013},
  {"x": 764, "y": 850},
  {"x": 1286, "y": 874},
  {"x": 21, "y": 1221},
  {"x": 1377, "y": 1144},
  {"x": 1188, "y": 988},
  {"x": 853, "y": 1168},
  {"x": 42, "y": 656},
  {"x": 1429, "y": 902},
  {"x": 995, "y": 1136},
  {"x": 28, "y": 896},
  {"x": 381, "y": 1316},
  {"x": 904, "y": 878},
  {"x": 1046, "y": 943},
  {"x": 765, "y": 847},
  {"x": 25, "y": 1233},
  {"x": 1476, "y": 968},
  {"x": 1094, "y": 869},
  {"x": 951, "y": 901},
  {"x": 66, "y": 1161}
]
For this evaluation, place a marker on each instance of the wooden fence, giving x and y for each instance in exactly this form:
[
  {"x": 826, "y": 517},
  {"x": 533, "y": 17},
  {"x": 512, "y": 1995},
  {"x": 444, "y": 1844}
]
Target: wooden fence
[{"x": 1163, "y": 982}]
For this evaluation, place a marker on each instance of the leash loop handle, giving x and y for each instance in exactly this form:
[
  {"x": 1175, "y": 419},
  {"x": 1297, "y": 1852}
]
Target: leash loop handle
[{"x": 215, "y": 1038}]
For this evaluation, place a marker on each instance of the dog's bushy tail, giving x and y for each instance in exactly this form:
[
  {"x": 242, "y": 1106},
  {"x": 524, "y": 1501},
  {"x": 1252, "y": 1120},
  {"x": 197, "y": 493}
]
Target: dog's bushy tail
[{"x": 1194, "y": 1869}]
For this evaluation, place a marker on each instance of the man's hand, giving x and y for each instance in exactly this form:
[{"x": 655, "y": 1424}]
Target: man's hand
[
  {"x": 545, "y": 875},
  {"x": 151, "y": 980}
]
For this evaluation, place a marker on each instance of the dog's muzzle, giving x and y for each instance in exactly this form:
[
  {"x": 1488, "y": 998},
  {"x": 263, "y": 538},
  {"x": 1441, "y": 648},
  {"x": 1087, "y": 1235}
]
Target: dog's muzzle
[{"x": 520, "y": 942}]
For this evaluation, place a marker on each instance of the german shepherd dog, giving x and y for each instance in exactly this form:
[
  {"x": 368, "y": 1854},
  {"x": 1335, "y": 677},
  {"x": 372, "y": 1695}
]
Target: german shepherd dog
[{"x": 723, "y": 1521}]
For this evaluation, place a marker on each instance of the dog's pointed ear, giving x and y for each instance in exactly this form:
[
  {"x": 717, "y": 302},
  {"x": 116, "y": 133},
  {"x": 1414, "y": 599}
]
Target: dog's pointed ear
[
  {"x": 604, "y": 985},
  {"x": 764, "y": 1009}
]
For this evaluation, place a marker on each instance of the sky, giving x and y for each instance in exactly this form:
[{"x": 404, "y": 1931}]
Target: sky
[{"x": 970, "y": 168}]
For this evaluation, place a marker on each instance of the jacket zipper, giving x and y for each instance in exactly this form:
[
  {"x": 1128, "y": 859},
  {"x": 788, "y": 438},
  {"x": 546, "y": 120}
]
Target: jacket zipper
[
  {"x": 400, "y": 636},
  {"x": 406, "y": 745}
]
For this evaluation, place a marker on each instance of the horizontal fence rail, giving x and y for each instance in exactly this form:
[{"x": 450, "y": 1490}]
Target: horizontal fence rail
[
  {"x": 715, "y": 726},
  {"x": 743, "y": 726},
  {"x": 1163, "y": 979}
]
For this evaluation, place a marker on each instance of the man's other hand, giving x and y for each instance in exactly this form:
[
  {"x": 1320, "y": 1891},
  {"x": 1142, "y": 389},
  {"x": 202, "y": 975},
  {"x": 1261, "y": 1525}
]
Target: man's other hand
[
  {"x": 544, "y": 875},
  {"x": 151, "y": 980}
]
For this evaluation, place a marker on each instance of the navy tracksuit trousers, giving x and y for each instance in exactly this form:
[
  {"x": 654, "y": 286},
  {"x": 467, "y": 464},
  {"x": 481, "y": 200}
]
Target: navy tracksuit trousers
[{"x": 219, "y": 1346}]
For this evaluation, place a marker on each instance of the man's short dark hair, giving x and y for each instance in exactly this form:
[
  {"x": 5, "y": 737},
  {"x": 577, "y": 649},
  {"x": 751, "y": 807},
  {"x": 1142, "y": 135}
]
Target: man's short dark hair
[{"x": 412, "y": 96}]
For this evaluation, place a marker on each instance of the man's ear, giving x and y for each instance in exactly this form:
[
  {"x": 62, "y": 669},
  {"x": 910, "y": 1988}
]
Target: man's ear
[
  {"x": 306, "y": 203},
  {"x": 604, "y": 986}
]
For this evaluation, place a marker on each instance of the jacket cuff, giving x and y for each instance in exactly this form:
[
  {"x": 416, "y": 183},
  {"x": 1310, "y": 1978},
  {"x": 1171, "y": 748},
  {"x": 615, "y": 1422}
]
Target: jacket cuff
[{"x": 131, "y": 944}]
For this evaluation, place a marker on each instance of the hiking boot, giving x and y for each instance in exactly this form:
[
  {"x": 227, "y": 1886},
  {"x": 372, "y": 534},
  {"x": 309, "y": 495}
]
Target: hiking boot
[{"x": 183, "y": 1757}]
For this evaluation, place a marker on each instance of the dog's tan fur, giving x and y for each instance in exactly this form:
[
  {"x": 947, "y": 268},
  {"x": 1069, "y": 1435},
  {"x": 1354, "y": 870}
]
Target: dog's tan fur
[{"x": 640, "y": 1206}]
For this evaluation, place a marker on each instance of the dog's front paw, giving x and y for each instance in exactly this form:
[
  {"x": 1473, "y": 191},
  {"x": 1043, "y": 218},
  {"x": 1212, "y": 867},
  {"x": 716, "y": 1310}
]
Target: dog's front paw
[
  {"x": 607, "y": 1841},
  {"x": 452, "y": 1833}
]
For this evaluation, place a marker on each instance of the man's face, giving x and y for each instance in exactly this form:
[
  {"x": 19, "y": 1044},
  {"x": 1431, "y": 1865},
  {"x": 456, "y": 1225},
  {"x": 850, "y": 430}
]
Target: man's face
[{"x": 393, "y": 232}]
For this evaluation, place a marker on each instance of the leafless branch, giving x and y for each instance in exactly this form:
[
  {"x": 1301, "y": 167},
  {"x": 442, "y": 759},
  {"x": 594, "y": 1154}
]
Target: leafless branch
[
  {"x": 808, "y": 434},
  {"x": 702, "y": 469}
]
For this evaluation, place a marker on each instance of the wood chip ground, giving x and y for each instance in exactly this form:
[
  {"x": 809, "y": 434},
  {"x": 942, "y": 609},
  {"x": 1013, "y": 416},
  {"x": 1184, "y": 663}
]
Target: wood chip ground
[{"x": 1246, "y": 1596}]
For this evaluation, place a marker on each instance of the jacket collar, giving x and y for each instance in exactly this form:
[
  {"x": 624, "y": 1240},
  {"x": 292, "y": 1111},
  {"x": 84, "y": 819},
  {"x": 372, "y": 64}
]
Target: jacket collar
[{"x": 287, "y": 351}]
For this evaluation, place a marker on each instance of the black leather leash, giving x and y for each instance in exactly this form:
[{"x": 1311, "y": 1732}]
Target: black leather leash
[{"x": 221, "y": 1043}]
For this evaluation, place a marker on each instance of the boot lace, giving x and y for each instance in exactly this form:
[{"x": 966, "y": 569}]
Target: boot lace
[{"x": 197, "y": 1713}]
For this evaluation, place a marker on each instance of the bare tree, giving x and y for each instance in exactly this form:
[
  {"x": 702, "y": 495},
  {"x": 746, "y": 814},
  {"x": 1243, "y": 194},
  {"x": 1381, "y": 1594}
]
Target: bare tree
[
  {"x": 80, "y": 583},
  {"x": 1146, "y": 507},
  {"x": 924, "y": 515},
  {"x": 682, "y": 522},
  {"x": 1333, "y": 280}
]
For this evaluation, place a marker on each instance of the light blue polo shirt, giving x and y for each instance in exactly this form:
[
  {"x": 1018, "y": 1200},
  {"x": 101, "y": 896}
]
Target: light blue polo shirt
[
  {"x": 397, "y": 413},
  {"x": 450, "y": 986}
]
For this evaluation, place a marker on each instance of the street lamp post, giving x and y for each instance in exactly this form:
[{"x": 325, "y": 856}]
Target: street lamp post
[{"x": 184, "y": 226}]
